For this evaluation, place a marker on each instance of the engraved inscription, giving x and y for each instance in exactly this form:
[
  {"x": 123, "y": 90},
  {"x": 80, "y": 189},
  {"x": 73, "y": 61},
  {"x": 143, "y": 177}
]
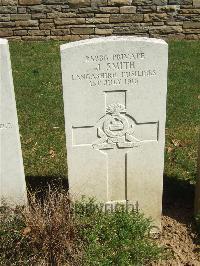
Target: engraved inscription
[
  {"x": 115, "y": 70},
  {"x": 5, "y": 125},
  {"x": 121, "y": 56}
]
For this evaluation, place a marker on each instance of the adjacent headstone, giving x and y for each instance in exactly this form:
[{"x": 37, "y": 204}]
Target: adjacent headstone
[
  {"x": 115, "y": 107},
  {"x": 12, "y": 179},
  {"x": 197, "y": 190}
]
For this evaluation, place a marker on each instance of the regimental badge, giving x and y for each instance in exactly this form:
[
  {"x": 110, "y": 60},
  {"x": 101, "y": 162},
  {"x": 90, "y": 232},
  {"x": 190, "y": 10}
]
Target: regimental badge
[{"x": 115, "y": 129}]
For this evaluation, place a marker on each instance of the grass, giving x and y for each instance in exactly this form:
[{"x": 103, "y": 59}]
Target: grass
[
  {"x": 118, "y": 238},
  {"x": 37, "y": 79},
  {"x": 39, "y": 234},
  {"x": 37, "y": 76},
  {"x": 56, "y": 232},
  {"x": 183, "y": 111}
]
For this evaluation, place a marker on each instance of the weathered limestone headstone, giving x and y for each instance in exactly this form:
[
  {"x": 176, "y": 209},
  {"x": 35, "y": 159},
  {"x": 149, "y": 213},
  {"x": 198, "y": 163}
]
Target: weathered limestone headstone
[
  {"x": 12, "y": 180},
  {"x": 197, "y": 190},
  {"x": 115, "y": 106}
]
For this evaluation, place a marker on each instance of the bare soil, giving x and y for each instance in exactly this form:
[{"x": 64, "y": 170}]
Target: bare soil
[{"x": 179, "y": 232}]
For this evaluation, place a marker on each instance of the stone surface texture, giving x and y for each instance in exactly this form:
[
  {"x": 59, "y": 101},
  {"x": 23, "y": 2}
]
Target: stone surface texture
[
  {"x": 115, "y": 108},
  {"x": 12, "y": 179},
  {"x": 20, "y": 19},
  {"x": 197, "y": 192}
]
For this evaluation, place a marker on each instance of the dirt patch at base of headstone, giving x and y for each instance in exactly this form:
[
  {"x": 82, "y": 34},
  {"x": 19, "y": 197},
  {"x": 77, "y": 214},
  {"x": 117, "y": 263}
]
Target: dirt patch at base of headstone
[
  {"x": 179, "y": 234},
  {"x": 181, "y": 240}
]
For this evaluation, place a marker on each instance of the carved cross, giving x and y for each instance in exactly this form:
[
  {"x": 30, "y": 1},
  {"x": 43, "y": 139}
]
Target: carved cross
[{"x": 114, "y": 135}]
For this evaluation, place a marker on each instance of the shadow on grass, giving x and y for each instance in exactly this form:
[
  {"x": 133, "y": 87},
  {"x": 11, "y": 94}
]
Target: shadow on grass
[
  {"x": 178, "y": 199},
  {"x": 40, "y": 185},
  {"x": 178, "y": 195},
  {"x": 178, "y": 203}
]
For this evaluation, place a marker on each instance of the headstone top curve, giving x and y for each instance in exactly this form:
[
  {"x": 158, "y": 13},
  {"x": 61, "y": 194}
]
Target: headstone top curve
[
  {"x": 3, "y": 41},
  {"x": 111, "y": 39}
]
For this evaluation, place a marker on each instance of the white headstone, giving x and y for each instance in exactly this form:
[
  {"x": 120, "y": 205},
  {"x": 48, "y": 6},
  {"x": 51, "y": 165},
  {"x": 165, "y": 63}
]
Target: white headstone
[
  {"x": 115, "y": 107},
  {"x": 197, "y": 188},
  {"x": 12, "y": 179}
]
